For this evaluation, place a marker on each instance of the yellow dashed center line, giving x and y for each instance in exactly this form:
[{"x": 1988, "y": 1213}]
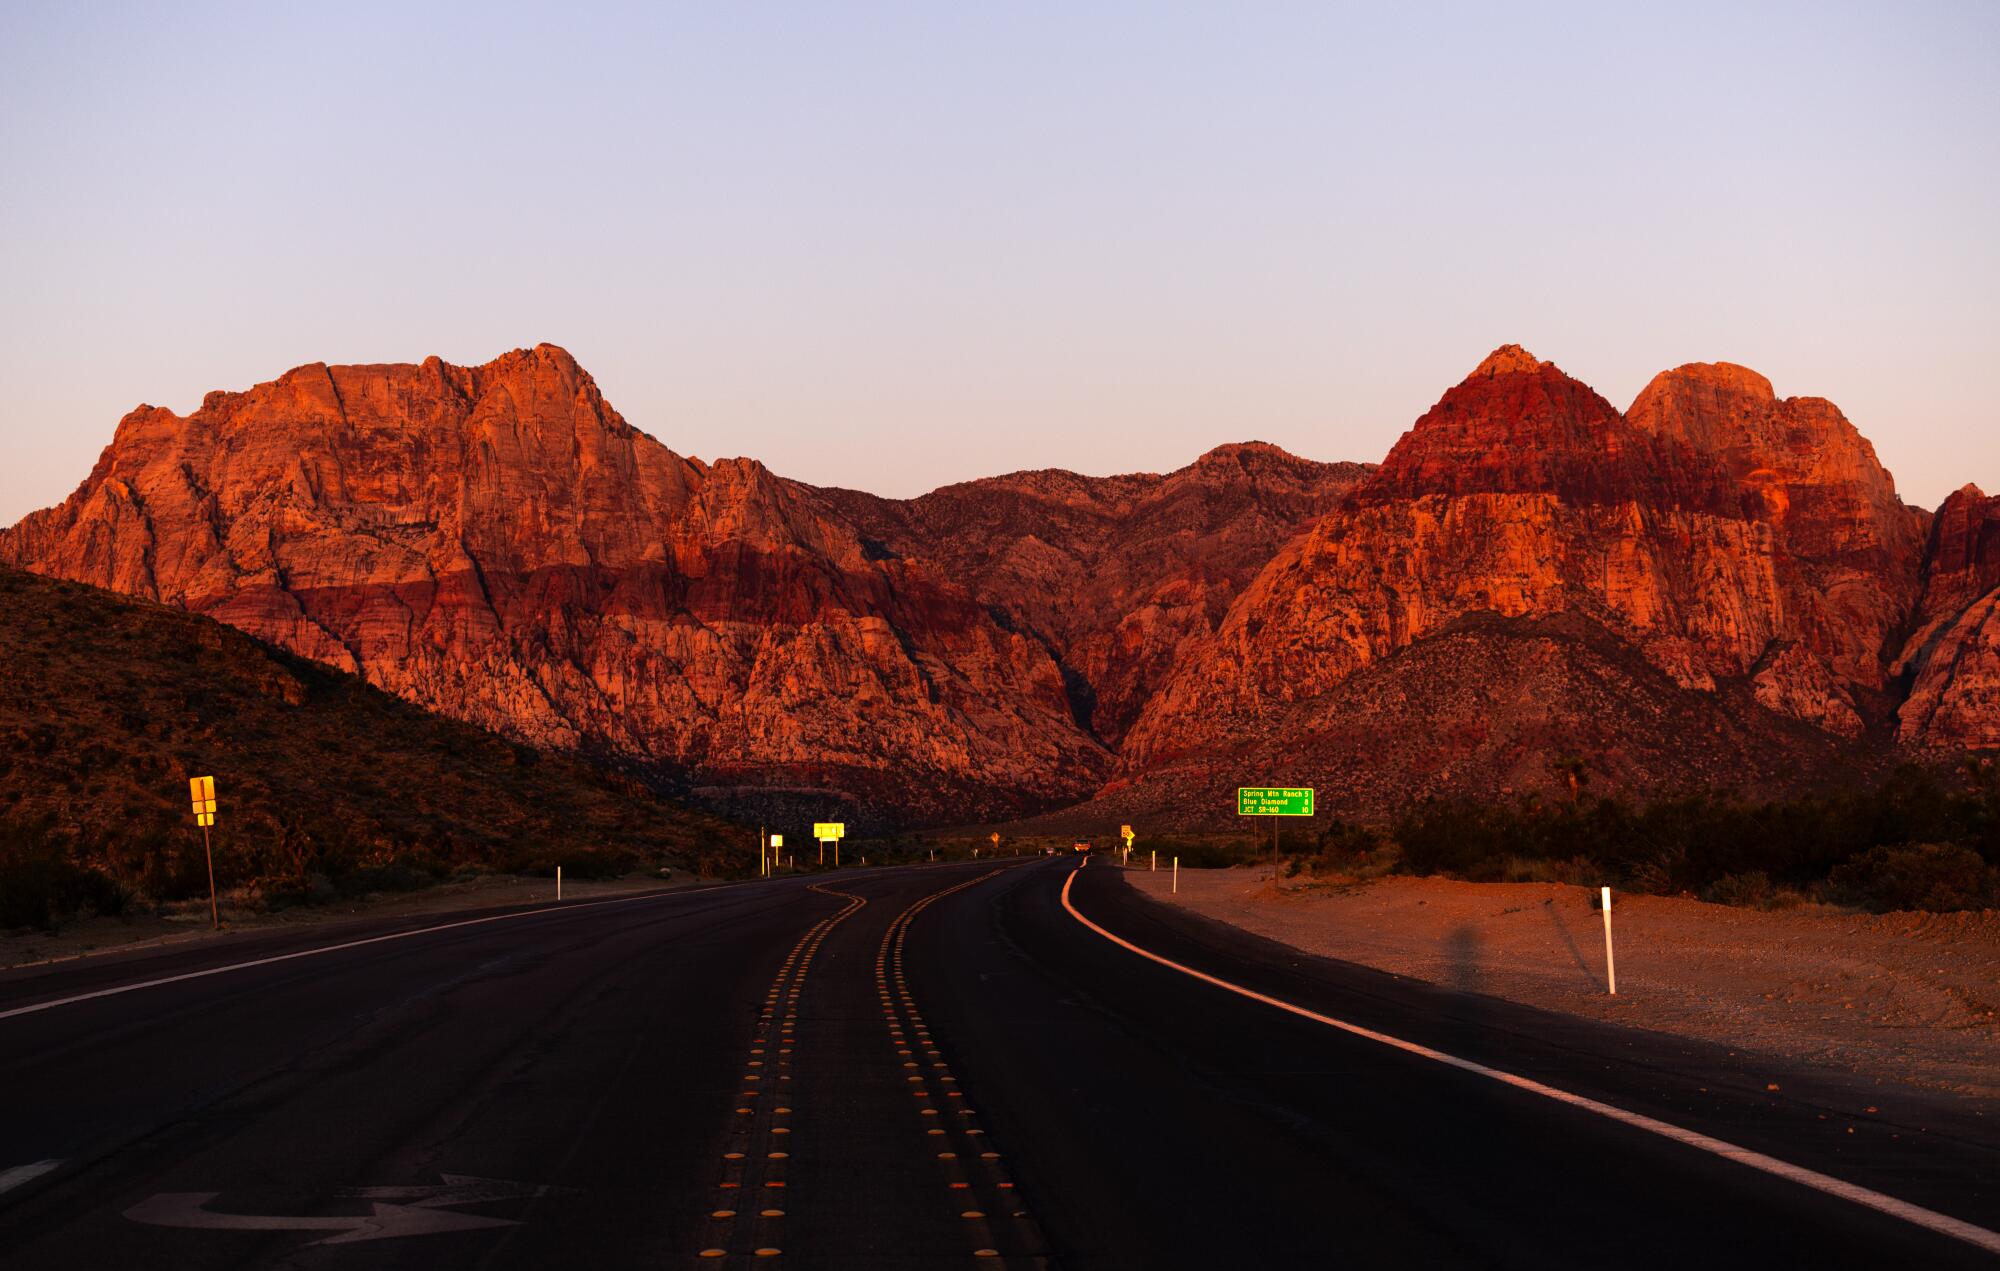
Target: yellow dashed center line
[
  {"x": 751, "y": 1158},
  {"x": 968, "y": 1175}
]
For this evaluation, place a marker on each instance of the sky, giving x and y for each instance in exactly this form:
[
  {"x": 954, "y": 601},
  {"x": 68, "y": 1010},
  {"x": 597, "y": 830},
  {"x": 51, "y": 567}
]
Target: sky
[{"x": 893, "y": 246}]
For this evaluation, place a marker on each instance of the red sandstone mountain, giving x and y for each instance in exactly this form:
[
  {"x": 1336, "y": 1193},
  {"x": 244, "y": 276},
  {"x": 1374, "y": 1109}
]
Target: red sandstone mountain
[
  {"x": 1716, "y": 586},
  {"x": 1716, "y": 552},
  {"x": 1114, "y": 574},
  {"x": 496, "y": 543},
  {"x": 1953, "y": 658}
]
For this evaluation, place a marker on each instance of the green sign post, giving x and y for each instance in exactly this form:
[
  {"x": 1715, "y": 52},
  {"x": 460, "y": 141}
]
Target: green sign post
[{"x": 1274, "y": 802}]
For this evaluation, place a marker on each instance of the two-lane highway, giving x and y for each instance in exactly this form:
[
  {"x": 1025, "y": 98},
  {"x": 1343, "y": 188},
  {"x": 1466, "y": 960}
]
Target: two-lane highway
[{"x": 954, "y": 1065}]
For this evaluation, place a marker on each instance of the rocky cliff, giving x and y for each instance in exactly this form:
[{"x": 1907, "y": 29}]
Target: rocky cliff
[
  {"x": 1749, "y": 550},
  {"x": 1114, "y": 574},
  {"x": 1716, "y": 585},
  {"x": 497, "y": 543},
  {"x": 1953, "y": 657}
]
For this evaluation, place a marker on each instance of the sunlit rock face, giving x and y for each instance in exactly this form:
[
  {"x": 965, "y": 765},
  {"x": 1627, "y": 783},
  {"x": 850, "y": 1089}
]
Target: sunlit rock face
[
  {"x": 1726, "y": 537},
  {"x": 496, "y": 543},
  {"x": 1714, "y": 586},
  {"x": 1953, "y": 657},
  {"x": 1115, "y": 574}
]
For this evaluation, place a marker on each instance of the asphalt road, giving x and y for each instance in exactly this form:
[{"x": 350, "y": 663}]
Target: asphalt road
[{"x": 924, "y": 1066}]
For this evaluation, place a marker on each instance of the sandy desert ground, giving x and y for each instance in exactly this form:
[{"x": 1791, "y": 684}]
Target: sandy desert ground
[{"x": 1906, "y": 997}]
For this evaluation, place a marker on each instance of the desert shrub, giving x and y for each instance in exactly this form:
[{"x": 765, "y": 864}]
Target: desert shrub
[
  {"x": 578, "y": 863},
  {"x": 1982, "y": 773},
  {"x": 409, "y": 873},
  {"x": 1752, "y": 889},
  {"x": 1577, "y": 871},
  {"x": 43, "y": 888},
  {"x": 1341, "y": 845},
  {"x": 1716, "y": 845},
  {"x": 1936, "y": 876},
  {"x": 1442, "y": 837},
  {"x": 1219, "y": 851},
  {"x": 603, "y": 862}
]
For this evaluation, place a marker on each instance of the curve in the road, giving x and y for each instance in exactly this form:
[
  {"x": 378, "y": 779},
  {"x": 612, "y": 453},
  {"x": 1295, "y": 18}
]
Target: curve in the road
[
  {"x": 748, "y": 1210},
  {"x": 1917, "y": 1215},
  {"x": 992, "y": 1208}
]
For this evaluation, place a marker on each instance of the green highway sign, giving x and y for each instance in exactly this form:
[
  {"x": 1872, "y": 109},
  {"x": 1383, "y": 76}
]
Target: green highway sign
[{"x": 1274, "y": 801}]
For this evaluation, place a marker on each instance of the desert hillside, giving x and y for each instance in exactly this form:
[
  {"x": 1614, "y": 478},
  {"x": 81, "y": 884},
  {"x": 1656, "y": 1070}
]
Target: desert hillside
[{"x": 111, "y": 704}]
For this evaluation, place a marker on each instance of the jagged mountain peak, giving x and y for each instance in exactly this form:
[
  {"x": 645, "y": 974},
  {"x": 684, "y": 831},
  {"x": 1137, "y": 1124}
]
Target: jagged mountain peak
[
  {"x": 1509, "y": 359},
  {"x": 496, "y": 542}
]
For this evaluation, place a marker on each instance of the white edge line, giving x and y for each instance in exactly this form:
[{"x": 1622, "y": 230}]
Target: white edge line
[
  {"x": 10, "y": 1179},
  {"x": 116, "y": 989},
  {"x": 1928, "y": 1219}
]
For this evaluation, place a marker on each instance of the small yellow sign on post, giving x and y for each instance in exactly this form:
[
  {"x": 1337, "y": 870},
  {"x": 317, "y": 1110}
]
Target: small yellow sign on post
[
  {"x": 777, "y": 840},
  {"x": 1125, "y": 831},
  {"x": 829, "y": 832},
  {"x": 202, "y": 791}
]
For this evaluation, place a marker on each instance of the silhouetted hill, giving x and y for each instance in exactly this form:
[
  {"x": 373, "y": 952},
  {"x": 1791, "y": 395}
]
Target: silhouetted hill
[{"x": 109, "y": 705}]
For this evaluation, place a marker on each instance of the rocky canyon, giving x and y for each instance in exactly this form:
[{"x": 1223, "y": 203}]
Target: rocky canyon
[{"x": 1715, "y": 585}]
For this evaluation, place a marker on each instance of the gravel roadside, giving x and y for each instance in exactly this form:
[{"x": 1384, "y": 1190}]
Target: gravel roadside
[{"x": 1904, "y": 997}]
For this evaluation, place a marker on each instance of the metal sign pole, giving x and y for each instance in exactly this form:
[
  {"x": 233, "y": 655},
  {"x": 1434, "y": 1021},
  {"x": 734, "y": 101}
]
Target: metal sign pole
[{"x": 214, "y": 913}]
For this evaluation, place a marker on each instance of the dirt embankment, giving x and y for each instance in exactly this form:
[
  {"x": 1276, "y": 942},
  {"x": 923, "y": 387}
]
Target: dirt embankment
[{"x": 1906, "y": 997}]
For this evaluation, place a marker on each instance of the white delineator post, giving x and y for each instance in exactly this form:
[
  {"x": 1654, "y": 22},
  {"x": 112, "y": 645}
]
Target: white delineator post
[
  {"x": 1177, "y": 875},
  {"x": 1155, "y": 855},
  {"x": 558, "y": 882},
  {"x": 1610, "y": 967}
]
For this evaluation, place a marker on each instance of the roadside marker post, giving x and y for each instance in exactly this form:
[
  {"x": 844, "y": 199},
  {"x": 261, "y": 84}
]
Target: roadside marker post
[
  {"x": 558, "y": 882},
  {"x": 1177, "y": 875},
  {"x": 201, "y": 792},
  {"x": 1610, "y": 968},
  {"x": 1154, "y": 857}
]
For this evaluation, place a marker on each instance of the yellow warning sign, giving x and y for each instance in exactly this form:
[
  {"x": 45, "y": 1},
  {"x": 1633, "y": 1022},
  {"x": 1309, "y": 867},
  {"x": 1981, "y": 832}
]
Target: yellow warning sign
[{"x": 201, "y": 791}]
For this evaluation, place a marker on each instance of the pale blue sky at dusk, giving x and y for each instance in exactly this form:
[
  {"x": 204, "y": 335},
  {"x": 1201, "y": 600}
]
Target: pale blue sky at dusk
[{"x": 895, "y": 246}]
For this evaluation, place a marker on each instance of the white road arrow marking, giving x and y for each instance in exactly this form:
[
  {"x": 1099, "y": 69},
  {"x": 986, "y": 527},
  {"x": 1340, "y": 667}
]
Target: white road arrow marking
[
  {"x": 189, "y": 1209},
  {"x": 457, "y": 1189},
  {"x": 10, "y": 1179}
]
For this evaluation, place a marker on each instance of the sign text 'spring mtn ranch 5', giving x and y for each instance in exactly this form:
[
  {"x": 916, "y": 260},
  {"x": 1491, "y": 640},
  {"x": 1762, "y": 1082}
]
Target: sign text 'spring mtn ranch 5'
[{"x": 1274, "y": 801}]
